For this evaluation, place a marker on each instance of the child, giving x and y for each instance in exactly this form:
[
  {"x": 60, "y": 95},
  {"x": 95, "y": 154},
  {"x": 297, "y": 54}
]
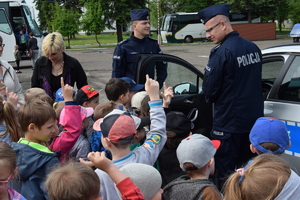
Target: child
[
  {"x": 10, "y": 130},
  {"x": 87, "y": 96},
  {"x": 136, "y": 102},
  {"x": 31, "y": 93},
  {"x": 77, "y": 181},
  {"x": 178, "y": 127},
  {"x": 37, "y": 121},
  {"x": 17, "y": 55},
  {"x": 269, "y": 135},
  {"x": 118, "y": 131},
  {"x": 196, "y": 156},
  {"x": 117, "y": 90},
  {"x": 138, "y": 173},
  {"x": 125, "y": 184},
  {"x": 73, "y": 119},
  {"x": 101, "y": 111},
  {"x": 134, "y": 88},
  {"x": 267, "y": 177},
  {"x": 9, "y": 170},
  {"x": 74, "y": 181}
]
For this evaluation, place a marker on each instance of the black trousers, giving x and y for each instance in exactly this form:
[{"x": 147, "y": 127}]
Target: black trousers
[{"x": 233, "y": 153}]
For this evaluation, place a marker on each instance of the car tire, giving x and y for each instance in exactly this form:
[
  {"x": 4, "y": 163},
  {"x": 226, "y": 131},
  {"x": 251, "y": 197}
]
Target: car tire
[{"x": 188, "y": 39}]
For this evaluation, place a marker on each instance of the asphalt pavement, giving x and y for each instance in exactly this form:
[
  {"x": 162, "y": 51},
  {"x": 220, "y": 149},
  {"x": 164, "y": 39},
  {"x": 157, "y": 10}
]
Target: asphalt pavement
[{"x": 97, "y": 62}]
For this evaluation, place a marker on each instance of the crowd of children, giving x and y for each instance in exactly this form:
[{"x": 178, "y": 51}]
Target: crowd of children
[{"x": 131, "y": 147}]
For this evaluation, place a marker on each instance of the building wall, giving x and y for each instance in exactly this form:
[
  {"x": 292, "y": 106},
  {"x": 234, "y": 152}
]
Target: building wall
[{"x": 256, "y": 31}]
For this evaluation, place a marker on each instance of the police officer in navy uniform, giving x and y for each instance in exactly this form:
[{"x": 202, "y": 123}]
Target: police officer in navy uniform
[
  {"x": 126, "y": 52},
  {"x": 232, "y": 82}
]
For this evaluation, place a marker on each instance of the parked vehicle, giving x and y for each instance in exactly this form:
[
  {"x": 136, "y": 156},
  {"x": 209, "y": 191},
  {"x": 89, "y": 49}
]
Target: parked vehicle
[
  {"x": 281, "y": 87},
  {"x": 16, "y": 16},
  {"x": 186, "y": 27}
]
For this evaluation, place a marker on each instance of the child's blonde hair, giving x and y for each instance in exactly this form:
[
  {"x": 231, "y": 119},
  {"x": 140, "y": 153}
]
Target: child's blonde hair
[
  {"x": 37, "y": 112},
  {"x": 8, "y": 114},
  {"x": 32, "y": 93},
  {"x": 264, "y": 179},
  {"x": 52, "y": 43},
  {"x": 75, "y": 181},
  {"x": 16, "y": 47}
]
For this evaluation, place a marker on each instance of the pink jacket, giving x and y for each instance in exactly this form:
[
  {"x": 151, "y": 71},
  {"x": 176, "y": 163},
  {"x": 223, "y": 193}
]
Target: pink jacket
[{"x": 72, "y": 130}]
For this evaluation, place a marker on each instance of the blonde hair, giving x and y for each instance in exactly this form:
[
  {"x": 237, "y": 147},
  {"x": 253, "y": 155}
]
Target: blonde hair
[
  {"x": 264, "y": 179},
  {"x": 8, "y": 114},
  {"x": 75, "y": 181},
  {"x": 37, "y": 112},
  {"x": 58, "y": 106},
  {"x": 8, "y": 156},
  {"x": 32, "y": 93},
  {"x": 52, "y": 43}
]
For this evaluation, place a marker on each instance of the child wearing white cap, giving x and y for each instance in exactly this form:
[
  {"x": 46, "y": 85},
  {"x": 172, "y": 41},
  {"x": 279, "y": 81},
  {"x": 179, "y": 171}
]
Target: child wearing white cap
[{"x": 196, "y": 156}]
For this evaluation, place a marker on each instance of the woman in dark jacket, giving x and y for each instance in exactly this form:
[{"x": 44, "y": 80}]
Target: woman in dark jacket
[{"x": 56, "y": 64}]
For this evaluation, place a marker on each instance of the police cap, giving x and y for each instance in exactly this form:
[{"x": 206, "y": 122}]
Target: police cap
[
  {"x": 139, "y": 14},
  {"x": 210, "y": 12}
]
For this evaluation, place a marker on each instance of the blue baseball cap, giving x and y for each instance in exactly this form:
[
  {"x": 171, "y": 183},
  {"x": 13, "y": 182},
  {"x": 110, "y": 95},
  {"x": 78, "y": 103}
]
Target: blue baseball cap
[
  {"x": 139, "y": 14},
  {"x": 272, "y": 130},
  {"x": 133, "y": 85},
  {"x": 210, "y": 12},
  {"x": 59, "y": 95}
]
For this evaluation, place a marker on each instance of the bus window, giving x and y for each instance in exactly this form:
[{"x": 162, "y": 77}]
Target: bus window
[
  {"x": 189, "y": 19},
  {"x": 175, "y": 23},
  {"x": 4, "y": 24}
]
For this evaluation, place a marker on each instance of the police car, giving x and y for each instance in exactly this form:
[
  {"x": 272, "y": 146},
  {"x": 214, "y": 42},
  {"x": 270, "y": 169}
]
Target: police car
[{"x": 281, "y": 88}]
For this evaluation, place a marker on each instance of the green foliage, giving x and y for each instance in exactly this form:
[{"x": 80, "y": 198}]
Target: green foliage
[
  {"x": 46, "y": 13},
  {"x": 93, "y": 21},
  {"x": 294, "y": 11},
  {"x": 66, "y": 21}
]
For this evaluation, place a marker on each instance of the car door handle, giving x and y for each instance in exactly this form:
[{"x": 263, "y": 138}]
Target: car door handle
[{"x": 188, "y": 101}]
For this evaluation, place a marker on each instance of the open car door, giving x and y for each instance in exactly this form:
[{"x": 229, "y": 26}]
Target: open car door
[{"x": 186, "y": 81}]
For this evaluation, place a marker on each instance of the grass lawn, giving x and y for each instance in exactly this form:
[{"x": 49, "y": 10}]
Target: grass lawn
[{"x": 111, "y": 38}]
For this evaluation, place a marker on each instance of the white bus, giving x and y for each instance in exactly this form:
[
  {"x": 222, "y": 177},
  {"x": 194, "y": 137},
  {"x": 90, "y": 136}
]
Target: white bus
[
  {"x": 15, "y": 15},
  {"x": 186, "y": 27}
]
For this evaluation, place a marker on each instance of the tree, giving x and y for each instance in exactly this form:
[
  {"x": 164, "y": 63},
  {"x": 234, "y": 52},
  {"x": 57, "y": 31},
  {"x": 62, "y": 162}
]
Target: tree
[
  {"x": 66, "y": 21},
  {"x": 259, "y": 7},
  {"x": 93, "y": 21},
  {"x": 118, "y": 11},
  {"x": 46, "y": 13},
  {"x": 294, "y": 11}
]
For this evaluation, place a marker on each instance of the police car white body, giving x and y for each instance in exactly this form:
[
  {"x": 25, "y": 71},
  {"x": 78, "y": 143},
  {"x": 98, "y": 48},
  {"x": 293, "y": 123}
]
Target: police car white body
[{"x": 281, "y": 83}]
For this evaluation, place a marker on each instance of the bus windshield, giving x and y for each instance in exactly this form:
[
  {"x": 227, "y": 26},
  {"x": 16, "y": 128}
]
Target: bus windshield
[
  {"x": 4, "y": 24},
  {"x": 31, "y": 23}
]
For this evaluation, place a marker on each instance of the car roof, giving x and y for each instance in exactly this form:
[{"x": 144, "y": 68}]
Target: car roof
[{"x": 283, "y": 48}]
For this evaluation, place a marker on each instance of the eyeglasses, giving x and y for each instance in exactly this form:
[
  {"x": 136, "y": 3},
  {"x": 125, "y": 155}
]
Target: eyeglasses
[
  {"x": 210, "y": 29},
  {"x": 2, "y": 45},
  {"x": 3, "y": 184}
]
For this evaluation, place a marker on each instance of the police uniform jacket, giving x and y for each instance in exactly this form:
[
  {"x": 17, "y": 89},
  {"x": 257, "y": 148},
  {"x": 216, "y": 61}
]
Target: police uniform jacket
[
  {"x": 125, "y": 58},
  {"x": 233, "y": 83}
]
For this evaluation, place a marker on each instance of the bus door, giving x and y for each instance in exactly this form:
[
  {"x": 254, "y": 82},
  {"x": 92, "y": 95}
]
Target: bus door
[{"x": 8, "y": 37}]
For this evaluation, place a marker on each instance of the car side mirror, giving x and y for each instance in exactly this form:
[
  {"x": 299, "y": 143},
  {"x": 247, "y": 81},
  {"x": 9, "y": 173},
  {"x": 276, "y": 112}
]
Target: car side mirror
[{"x": 185, "y": 88}]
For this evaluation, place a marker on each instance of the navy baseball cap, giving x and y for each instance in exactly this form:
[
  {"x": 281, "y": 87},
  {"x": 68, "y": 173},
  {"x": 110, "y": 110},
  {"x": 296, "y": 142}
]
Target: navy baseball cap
[
  {"x": 139, "y": 14},
  {"x": 272, "y": 130},
  {"x": 210, "y": 12},
  {"x": 133, "y": 85}
]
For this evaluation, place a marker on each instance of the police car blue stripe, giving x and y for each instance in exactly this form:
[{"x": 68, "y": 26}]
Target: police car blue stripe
[{"x": 294, "y": 131}]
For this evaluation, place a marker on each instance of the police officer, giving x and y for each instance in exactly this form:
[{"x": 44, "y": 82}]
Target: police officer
[
  {"x": 233, "y": 83},
  {"x": 126, "y": 52}
]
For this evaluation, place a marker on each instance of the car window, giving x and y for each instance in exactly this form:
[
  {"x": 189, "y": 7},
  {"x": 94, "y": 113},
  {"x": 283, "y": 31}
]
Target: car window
[
  {"x": 290, "y": 87},
  {"x": 183, "y": 80},
  {"x": 271, "y": 67}
]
